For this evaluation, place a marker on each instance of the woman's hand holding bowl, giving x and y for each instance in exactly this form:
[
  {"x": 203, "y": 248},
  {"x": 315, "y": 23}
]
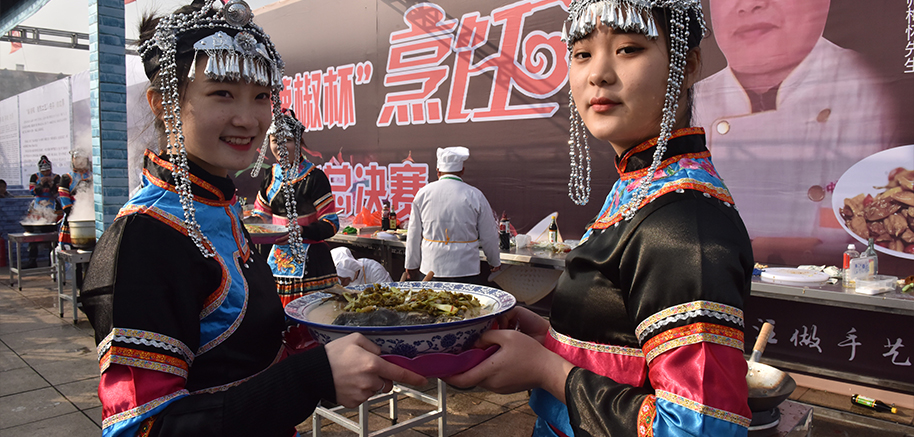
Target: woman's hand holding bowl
[
  {"x": 521, "y": 362},
  {"x": 359, "y": 372}
]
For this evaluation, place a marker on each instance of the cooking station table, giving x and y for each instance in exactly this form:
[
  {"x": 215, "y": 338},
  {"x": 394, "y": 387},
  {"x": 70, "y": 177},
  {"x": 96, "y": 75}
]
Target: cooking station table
[
  {"x": 825, "y": 330},
  {"x": 77, "y": 258},
  {"x": 26, "y": 237}
]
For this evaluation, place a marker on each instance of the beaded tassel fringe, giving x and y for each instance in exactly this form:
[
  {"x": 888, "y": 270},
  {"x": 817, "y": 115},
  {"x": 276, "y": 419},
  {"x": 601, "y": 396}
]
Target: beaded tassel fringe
[{"x": 579, "y": 181}]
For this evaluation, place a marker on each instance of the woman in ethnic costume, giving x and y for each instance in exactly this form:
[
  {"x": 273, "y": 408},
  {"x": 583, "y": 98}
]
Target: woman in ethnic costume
[
  {"x": 312, "y": 201},
  {"x": 645, "y": 335},
  {"x": 77, "y": 181},
  {"x": 187, "y": 320}
]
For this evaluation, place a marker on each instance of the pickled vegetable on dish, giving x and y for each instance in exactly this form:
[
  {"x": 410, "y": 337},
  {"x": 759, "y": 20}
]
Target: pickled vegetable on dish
[{"x": 379, "y": 305}]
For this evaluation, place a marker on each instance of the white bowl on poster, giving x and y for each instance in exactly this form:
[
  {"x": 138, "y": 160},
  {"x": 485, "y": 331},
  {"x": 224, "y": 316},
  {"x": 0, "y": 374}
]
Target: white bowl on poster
[{"x": 864, "y": 176}]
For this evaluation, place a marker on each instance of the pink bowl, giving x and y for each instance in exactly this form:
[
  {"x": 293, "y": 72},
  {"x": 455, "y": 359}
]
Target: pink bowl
[{"x": 440, "y": 365}]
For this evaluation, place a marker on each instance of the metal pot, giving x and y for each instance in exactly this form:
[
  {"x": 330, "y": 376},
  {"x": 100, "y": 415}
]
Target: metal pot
[
  {"x": 39, "y": 228},
  {"x": 82, "y": 233},
  {"x": 768, "y": 386}
]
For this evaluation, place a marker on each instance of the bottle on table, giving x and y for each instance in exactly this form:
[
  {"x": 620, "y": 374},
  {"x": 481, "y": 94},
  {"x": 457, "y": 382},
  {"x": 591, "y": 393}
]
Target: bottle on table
[
  {"x": 504, "y": 232},
  {"x": 553, "y": 231},
  {"x": 392, "y": 218},
  {"x": 872, "y": 260},
  {"x": 385, "y": 215},
  {"x": 848, "y": 279},
  {"x": 873, "y": 404}
]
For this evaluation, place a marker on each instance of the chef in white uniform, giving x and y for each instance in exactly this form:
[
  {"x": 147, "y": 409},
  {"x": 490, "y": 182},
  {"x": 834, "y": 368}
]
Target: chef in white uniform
[
  {"x": 785, "y": 119},
  {"x": 360, "y": 271},
  {"x": 450, "y": 220}
]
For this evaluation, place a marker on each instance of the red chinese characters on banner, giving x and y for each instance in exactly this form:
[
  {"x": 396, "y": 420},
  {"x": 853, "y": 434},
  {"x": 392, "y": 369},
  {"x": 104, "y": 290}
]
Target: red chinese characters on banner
[
  {"x": 365, "y": 187},
  {"x": 325, "y": 98},
  {"x": 376, "y": 189},
  {"x": 405, "y": 181},
  {"x": 340, "y": 176},
  {"x": 520, "y": 64},
  {"x": 415, "y": 57}
]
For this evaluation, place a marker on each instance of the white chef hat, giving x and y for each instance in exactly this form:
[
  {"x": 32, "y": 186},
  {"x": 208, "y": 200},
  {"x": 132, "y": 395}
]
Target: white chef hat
[
  {"x": 346, "y": 265},
  {"x": 450, "y": 159}
]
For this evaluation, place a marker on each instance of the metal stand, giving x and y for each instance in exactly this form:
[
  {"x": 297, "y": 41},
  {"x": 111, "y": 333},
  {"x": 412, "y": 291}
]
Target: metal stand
[
  {"x": 16, "y": 267},
  {"x": 361, "y": 427},
  {"x": 75, "y": 257}
]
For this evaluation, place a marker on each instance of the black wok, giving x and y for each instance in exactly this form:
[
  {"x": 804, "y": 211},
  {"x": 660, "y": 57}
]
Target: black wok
[
  {"x": 39, "y": 228},
  {"x": 768, "y": 386}
]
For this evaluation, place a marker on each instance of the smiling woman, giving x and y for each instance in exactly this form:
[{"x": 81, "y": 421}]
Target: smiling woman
[
  {"x": 187, "y": 319},
  {"x": 225, "y": 122}
]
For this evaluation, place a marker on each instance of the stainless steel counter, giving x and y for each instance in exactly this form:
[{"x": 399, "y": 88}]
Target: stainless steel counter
[
  {"x": 525, "y": 256},
  {"x": 894, "y": 302}
]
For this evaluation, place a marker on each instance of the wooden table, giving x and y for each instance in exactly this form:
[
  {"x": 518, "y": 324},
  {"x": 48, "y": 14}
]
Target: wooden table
[{"x": 16, "y": 267}]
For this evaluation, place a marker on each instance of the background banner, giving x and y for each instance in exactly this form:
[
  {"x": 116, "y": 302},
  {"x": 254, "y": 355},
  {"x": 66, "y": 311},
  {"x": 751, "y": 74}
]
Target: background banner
[
  {"x": 793, "y": 95},
  {"x": 9, "y": 141},
  {"x": 44, "y": 127},
  {"x": 806, "y": 107}
]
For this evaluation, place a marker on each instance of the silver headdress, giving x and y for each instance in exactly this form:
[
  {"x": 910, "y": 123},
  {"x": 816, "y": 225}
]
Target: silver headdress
[
  {"x": 631, "y": 16},
  {"x": 248, "y": 55},
  {"x": 286, "y": 128}
]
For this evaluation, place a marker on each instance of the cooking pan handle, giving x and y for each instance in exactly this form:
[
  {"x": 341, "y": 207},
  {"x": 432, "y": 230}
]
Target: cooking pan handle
[{"x": 761, "y": 342}]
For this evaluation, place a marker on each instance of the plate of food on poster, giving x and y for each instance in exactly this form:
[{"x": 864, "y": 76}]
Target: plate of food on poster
[{"x": 875, "y": 199}]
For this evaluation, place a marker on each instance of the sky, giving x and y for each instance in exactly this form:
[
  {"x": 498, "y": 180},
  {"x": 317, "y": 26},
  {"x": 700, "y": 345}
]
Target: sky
[{"x": 73, "y": 15}]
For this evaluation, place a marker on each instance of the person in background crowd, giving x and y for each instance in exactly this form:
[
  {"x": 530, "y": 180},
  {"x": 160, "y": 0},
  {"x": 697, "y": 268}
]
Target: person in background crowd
[
  {"x": 360, "y": 271},
  {"x": 186, "y": 316},
  {"x": 450, "y": 220},
  {"x": 645, "y": 335},
  {"x": 830, "y": 109},
  {"x": 301, "y": 261},
  {"x": 43, "y": 185},
  {"x": 3, "y": 193},
  {"x": 78, "y": 180}
]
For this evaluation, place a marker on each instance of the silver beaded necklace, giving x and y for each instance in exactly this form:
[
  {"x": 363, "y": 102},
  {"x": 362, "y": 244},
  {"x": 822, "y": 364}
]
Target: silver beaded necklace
[
  {"x": 630, "y": 16},
  {"x": 249, "y": 56}
]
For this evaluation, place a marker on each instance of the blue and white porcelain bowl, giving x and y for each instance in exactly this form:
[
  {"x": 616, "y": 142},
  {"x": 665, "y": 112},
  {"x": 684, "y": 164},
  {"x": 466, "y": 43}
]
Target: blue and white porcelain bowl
[{"x": 414, "y": 340}]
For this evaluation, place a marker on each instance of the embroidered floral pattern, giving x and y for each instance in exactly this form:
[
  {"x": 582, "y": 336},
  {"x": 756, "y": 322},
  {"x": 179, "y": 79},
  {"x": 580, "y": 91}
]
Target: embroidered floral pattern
[
  {"x": 147, "y": 338},
  {"x": 686, "y": 311},
  {"x": 703, "y": 409},
  {"x": 596, "y": 347},
  {"x": 691, "y": 334},
  {"x": 142, "y": 409},
  {"x": 144, "y": 360},
  {"x": 646, "y": 415}
]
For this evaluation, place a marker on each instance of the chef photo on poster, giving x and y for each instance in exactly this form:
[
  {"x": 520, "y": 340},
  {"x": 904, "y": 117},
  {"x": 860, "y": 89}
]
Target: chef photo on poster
[{"x": 808, "y": 89}]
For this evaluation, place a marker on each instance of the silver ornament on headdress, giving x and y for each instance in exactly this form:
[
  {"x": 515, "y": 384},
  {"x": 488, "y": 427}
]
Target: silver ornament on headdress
[
  {"x": 630, "y": 16},
  {"x": 237, "y": 13},
  {"x": 230, "y": 58}
]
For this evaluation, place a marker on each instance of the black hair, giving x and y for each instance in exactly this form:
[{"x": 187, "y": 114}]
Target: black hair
[{"x": 151, "y": 62}]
